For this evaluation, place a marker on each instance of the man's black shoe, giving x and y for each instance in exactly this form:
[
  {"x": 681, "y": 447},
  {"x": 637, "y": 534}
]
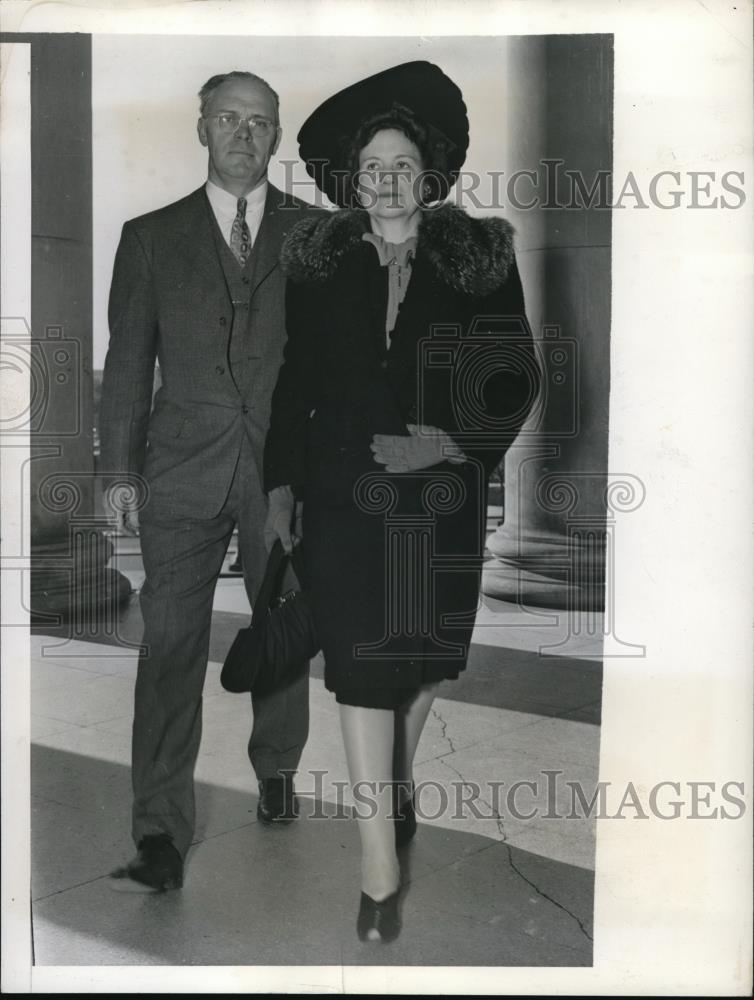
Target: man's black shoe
[
  {"x": 277, "y": 803},
  {"x": 157, "y": 867}
]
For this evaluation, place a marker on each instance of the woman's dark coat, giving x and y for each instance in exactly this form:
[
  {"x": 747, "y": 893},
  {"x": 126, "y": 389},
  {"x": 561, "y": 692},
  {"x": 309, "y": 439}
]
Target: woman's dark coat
[{"x": 389, "y": 557}]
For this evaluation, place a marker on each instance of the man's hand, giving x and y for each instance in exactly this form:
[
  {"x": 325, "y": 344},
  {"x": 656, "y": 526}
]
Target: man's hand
[
  {"x": 425, "y": 446},
  {"x": 279, "y": 517},
  {"x": 119, "y": 501}
]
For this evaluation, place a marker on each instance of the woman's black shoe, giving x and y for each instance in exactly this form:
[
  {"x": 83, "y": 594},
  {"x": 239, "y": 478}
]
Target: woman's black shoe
[
  {"x": 405, "y": 821},
  {"x": 379, "y": 921}
]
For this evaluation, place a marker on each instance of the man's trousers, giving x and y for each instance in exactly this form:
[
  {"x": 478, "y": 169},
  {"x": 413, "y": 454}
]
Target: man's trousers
[{"x": 182, "y": 560}]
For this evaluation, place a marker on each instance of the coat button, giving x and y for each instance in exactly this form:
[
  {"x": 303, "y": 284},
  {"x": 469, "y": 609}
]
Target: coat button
[
  {"x": 383, "y": 365},
  {"x": 223, "y": 321},
  {"x": 244, "y": 408},
  {"x": 245, "y": 279},
  {"x": 220, "y": 370}
]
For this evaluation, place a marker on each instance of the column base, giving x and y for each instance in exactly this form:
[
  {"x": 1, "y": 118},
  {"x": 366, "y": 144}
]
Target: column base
[
  {"x": 79, "y": 589},
  {"x": 524, "y": 587},
  {"x": 566, "y": 573}
]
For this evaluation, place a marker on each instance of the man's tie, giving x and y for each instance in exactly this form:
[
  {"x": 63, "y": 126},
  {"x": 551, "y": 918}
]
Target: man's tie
[{"x": 240, "y": 237}]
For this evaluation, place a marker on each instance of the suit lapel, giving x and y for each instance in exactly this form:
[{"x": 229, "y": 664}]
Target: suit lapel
[
  {"x": 195, "y": 240},
  {"x": 266, "y": 250}
]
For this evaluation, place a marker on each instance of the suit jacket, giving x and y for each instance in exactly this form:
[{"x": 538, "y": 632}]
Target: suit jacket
[{"x": 169, "y": 301}]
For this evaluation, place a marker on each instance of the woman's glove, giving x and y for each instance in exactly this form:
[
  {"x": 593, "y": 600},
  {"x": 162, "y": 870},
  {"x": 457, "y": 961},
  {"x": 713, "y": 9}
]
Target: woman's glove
[
  {"x": 280, "y": 510},
  {"x": 423, "y": 447}
]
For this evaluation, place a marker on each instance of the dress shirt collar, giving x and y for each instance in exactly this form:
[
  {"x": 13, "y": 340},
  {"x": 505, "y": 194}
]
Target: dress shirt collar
[{"x": 225, "y": 204}]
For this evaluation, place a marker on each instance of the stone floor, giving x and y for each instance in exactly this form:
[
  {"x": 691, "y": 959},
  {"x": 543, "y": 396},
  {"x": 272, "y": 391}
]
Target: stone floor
[{"x": 491, "y": 879}]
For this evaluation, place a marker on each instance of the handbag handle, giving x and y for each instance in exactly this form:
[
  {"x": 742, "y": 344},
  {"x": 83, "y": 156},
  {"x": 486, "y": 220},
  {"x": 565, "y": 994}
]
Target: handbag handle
[{"x": 269, "y": 591}]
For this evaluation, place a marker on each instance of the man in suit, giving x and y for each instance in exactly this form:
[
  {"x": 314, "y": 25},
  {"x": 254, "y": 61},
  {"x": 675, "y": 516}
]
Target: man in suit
[{"x": 197, "y": 287}]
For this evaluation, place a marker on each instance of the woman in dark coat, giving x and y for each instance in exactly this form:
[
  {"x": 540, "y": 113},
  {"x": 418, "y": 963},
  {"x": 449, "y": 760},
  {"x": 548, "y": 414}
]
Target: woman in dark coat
[{"x": 408, "y": 372}]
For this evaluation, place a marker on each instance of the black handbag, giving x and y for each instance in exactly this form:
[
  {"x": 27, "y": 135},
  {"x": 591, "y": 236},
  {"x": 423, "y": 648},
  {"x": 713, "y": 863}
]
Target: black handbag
[{"x": 281, "y": 638}]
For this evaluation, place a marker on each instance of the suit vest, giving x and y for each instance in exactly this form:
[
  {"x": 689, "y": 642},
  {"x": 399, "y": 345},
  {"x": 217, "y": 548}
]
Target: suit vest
[{"x": 238, "y": 281}]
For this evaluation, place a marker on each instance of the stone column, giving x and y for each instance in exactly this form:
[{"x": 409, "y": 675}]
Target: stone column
[
  {"x": 70, "y": 580},
  {"x": 550, "y": 549}
]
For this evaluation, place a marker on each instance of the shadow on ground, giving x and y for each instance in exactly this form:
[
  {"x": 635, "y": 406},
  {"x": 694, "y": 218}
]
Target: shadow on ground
[{"x": 283, "y": 896}]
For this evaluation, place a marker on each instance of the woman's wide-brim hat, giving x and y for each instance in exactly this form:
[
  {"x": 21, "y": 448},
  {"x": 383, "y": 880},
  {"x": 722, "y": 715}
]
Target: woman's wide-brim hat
[{"x": 420, "y": 86}]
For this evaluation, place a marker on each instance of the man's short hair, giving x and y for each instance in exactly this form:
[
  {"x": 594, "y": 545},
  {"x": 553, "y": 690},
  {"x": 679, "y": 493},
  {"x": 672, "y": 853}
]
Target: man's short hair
[{"x": 215, "y": 81}]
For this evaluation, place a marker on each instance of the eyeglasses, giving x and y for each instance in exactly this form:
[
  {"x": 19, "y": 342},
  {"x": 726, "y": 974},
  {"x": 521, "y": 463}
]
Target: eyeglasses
[{"x": 229, "y": 121}]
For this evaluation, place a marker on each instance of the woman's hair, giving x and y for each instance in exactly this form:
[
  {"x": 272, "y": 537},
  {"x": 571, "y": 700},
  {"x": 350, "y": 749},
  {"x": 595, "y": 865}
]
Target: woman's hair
[{"x": 432, "y": 146}]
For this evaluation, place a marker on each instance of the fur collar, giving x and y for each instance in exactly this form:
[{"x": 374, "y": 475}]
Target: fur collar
[{"x": 472, "y": 256}]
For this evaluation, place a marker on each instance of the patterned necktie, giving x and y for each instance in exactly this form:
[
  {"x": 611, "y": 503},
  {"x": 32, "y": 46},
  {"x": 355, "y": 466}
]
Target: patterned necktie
[{"x": 240, "y": 237}]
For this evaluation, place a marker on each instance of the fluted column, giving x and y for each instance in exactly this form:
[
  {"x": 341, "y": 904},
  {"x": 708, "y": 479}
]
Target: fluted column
[
  {"x": 550, "y": 549},
  {"x": 70, "y": 579}
]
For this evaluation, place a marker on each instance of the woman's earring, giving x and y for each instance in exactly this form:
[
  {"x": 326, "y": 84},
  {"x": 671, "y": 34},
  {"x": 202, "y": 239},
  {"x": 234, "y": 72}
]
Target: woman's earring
[{"x": 427, "y": 192}]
